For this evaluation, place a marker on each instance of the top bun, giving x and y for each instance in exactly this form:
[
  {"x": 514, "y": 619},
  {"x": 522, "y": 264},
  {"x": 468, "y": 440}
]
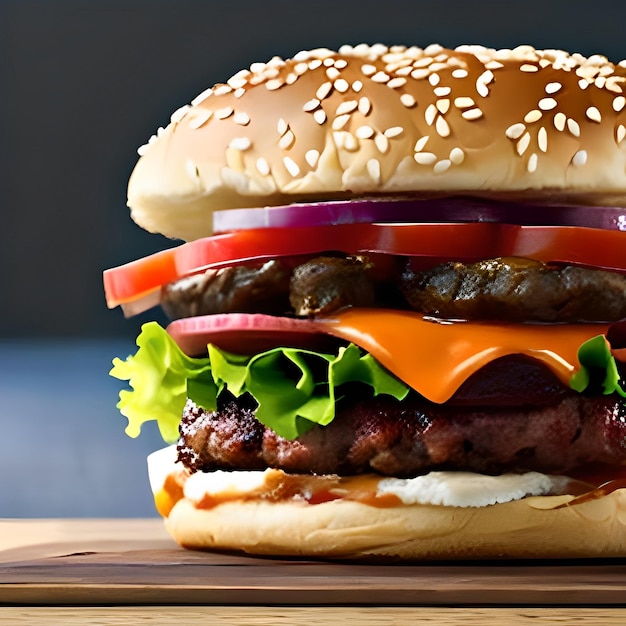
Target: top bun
[{"x": 377, "y": 119}]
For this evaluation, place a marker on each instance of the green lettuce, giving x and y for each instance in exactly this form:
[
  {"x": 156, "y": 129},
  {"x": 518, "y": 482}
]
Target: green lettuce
[
  {"x": 597, "y": 364},
  {"x": 293, "y": 388}
]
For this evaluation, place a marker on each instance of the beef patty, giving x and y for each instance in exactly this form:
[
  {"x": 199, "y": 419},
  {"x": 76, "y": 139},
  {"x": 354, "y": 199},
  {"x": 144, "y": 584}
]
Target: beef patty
[
  {"x": 404, "y": 439},
  {"x": 518, "y": 290}
]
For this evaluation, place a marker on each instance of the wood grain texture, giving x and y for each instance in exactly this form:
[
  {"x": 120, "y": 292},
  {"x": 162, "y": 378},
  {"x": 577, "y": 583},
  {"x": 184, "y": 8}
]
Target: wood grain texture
[
  {"x": 133, "y": 562},
  {"x": 310, "y": 616}
]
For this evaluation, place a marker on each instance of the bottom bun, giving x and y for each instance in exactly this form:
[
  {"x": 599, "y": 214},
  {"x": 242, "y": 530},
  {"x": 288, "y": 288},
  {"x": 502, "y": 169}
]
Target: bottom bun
[{"x": 534, "y": 527}]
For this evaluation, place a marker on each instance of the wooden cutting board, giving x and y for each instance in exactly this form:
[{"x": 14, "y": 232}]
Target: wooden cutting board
[{"x": 133, "y": 562}]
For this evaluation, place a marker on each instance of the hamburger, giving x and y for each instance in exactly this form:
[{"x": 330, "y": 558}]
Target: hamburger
[{"x": 397, "y": 314}]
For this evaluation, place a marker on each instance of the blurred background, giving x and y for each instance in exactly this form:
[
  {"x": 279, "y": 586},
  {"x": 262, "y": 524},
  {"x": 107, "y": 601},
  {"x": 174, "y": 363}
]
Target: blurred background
[{"x": 82, "y": 85}]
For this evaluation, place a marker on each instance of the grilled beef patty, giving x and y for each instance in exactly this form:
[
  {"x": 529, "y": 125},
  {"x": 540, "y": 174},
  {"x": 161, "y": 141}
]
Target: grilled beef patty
[
  {"x": 404, "y": 439},
  {"x": 515, "y": 290}
]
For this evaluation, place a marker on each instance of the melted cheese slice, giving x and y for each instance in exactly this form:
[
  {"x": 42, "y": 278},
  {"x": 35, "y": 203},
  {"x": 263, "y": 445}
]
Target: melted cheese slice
[{"x": 435, "y": 358}]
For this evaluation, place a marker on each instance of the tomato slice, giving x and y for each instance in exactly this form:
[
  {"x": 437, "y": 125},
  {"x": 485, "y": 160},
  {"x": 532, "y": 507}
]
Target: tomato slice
[{"x": 463, "y": 242}]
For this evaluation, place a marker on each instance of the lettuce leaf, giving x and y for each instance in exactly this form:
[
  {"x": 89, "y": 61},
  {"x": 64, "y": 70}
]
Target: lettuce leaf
[
  {"x": 597, "y": 364},
  {"x": 293, "y": 388}
]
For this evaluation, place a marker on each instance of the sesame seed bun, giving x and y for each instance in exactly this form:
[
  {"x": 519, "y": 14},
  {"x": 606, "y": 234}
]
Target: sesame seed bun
[
  {"x": 528, "y": 528},
  {"x": 373, "y": 119}
]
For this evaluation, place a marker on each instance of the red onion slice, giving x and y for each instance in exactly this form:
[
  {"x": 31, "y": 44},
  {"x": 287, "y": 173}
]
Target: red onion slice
[{"x": 407, "y": 210}]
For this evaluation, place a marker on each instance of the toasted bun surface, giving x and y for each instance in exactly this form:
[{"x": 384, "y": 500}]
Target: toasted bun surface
[
  {"x": 373, "y": 119},
  {"x": 528, "y": 528}
]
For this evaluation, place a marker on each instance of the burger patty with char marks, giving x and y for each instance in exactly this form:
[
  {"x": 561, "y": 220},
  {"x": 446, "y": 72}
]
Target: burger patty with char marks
[
  {"x": 390, "y": 438},
  {"x": 515, "y": 290}
]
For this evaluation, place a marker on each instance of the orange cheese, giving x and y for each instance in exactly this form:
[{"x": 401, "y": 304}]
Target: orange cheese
[{"x": 436, "y": 357}]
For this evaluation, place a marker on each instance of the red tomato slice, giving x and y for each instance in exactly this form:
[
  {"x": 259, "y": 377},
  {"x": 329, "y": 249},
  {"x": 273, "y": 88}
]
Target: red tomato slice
[{"x": 463, "y": 242}]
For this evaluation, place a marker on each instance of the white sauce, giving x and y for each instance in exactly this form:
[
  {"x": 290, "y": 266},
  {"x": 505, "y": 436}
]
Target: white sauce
[{"x": 458, "y": 489}]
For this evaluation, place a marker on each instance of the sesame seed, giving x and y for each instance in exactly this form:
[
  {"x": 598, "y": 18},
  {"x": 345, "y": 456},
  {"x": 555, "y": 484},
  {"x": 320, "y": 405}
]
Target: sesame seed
[
  {"x": 523, "y": 143},
  {"x": 459, "y": 73},
  {"x": 373, "y": 169},
  {"x": 239, "y": 92},
  {"x": 430, "y": 114},
  {"x": 420, "y": 73},
  {"x": 340, "y": 121},
  {"x": 408, "y": 100},
  {"x": 527, "y": 67},
  {"x": 341, "y": 85},
  {"x": 547, "y": 104},
  {"x": 472, "y": 114},
  {"x": 300, "y": 68},
  {"x": 425, "y": 158},
  {"x": 612, "y": 83},
  {"x": 328, "y": 62},
  {"x": 464, "y": 102},
  {"x": 319, "y": 116},
  {"x": 341, "y": 64},
  {"x": 357, "y": 85},
  {"x": 311, "y": 105},
  {"x": 573, "y": 127},
  {"x": 434, "y": 79},
  {"x": 364, "y": 132},
  {"x": 620, "y": 133},
  {"x": 593, "y": 114},
  {"x": 312, "y": 157},
  {"x": 583, "y": 84},
  {"x": 421, "y": 143},
  {"x": 282, "y": 127},
  {"x": 482, "y": 90},
  {"x": 542, "y": 139},
  {"x": 380, "y": 77},
  {"x": 440, "y": 92},
  {"x": 179, "y": 114},
  {"x": 423, "y": 62},
  {"x": 202, "y": 116},
  {"x": 368, "y": 69},
  {"x": 494, "y": 65},
  {"x": 324, "y": 90},
  {"x": 222, "y": 90},
  {"x": 559, "y": 121},
  {"x": 347, "y": 107},
  {"x": 600, "y": 82},
  {"x": 580, "y": 158},
  {"x": 240, "y": 143},
  {"x": 314, "y": 64},
  {"x": 393, "y": 131},
  {"x": 442, "y": 127},
  {"x": 262, "y": 166},
  {"x": 274, "y": 83},
  {"x": 553, "y": 87},
  {"x": 364, "y": 106},
  {"x": 286, "y": 141},
  {"x": 396, "y": 82},
  {"x": 332, "y": 73},
  {"x": 442, "y": 166},
  {"x": 443, "y": 106},
  {"x": 533, "y": 116},
  {"x": 202, "y": 96},
  {"x": 532, "y": 163},
  {"x": 143, "y": 149},
  {"x": 457, "y": 156},
  {"x": 515, "y": 131},
  {"x": 292, "y": 166},
  {"x": 222, "y": 114},
  {"x": 381, "y": 142},
  {"x": 618, "y": 103},
  {"x": 241, "y": 118}
]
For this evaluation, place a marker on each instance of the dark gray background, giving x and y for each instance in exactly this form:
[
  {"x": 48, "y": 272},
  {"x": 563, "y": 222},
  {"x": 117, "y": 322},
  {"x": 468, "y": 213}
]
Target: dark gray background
[{"x": 82, "y": 85}]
